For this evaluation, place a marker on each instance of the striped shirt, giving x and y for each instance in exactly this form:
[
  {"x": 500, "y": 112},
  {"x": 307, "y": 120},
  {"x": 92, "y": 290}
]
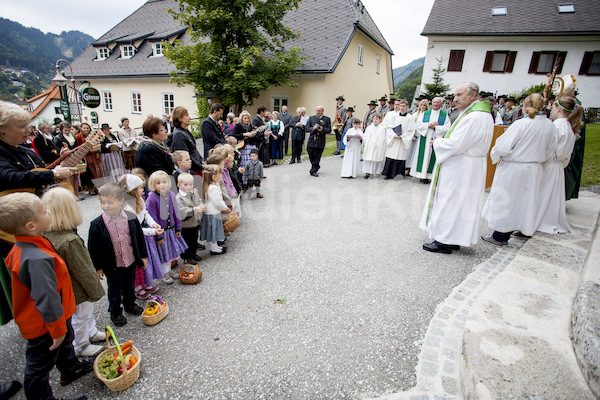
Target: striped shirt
[{"x": 118, "y": 229}]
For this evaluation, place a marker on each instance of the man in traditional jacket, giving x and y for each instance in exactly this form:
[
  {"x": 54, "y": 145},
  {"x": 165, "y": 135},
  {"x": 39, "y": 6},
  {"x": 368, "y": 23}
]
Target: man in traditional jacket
[
  {"x": 383, "y": 107},
  {"x": 285, "y": 117},
  {"x": 451, "y": 213},
  {"x": 317, "y": 126},
  {"x": 510, "y": 115},
  {"x": 452, "y": 110},
  {"x": 432, "y": 124},
  {"x": 368, "y": 119},
  {"x": 340, "y": 121}
]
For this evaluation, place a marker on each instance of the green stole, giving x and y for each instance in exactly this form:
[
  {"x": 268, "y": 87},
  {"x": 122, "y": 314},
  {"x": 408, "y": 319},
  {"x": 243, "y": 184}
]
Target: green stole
[
  {"x": 483, "y": 106},
  {"x": 423, "y": 143}
]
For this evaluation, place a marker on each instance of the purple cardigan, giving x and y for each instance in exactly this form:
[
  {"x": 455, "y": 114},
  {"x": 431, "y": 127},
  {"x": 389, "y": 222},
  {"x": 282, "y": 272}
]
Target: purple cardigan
[{"x": 157, "y": 208}]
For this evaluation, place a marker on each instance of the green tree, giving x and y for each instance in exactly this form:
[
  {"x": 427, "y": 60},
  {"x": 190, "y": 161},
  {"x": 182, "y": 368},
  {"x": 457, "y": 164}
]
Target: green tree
[
  {"x": 406, "y": 90},
  {"x": 237, "y": 48},
  {"x": 437, "y": 88}
]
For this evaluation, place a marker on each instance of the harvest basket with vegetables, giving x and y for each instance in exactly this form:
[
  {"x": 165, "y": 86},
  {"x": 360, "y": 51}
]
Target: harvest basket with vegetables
[
  {"x": 156, "y": 310},
  {"x": 118, "y": 366},
  {"x": 189, "y": 274}
]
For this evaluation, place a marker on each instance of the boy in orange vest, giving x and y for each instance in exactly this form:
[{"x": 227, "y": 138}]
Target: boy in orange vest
[{"x": 43, "y": 300}]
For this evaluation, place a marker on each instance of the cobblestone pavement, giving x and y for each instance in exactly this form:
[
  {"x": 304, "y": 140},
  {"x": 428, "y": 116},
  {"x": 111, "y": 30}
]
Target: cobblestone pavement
[{"x": 358, "y": 296}]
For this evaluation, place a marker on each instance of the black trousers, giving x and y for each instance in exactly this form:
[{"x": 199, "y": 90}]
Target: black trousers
[
  {"x": 286, "y": 140},
  {"x": 338, "y": 134},
  {"x": 120, "y": 289},
  {"x": 40, "y": 361},
  {"x": 314, "y": 154},
  {"x": 190, "y": 236},
  {"x": 297, "y": 149}
]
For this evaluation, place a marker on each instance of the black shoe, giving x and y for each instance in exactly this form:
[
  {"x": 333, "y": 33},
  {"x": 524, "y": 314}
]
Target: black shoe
[
  {"x": 83, "y": 367},
  {"x": 367, "y": 176},
  {"x": 221, "y": 242},
  {"x": 7, "y": 390},
  {"x": 191, "y": 261},
  {"x": 437, "y": 247},
  {"x": 452, "y": 246},
  {"x": 425, "y": 181},
  {"x": 292, "y": 162},
  {"x": 218, "y": 253},
  {"x": 266, "y": 166},
  {"x": 298, "y": 161},
  {"x": 336, "y": 153},
  {"x": 79, "y": 398},
  {"x": 314, "y": 174},
  {"x": 386, "y": 178},
  {"x": 197, "y": 257},
  {"x": 134, "y": 309},
  {"x": 118, "y": 320},
  {"x": 201, "y": 247}
]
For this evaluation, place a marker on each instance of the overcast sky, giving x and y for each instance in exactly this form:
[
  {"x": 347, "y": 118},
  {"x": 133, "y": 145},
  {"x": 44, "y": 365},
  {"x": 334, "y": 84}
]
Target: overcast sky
[{"x": 400, "y": 21}]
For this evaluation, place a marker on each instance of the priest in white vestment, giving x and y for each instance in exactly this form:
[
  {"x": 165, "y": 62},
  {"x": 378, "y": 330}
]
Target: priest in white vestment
[
  {"x": 397, "y": 145},
  {"x": 451, "y": 213},
  {"x": 515, "y": 194},
  {"x": 432, "y": 124}
]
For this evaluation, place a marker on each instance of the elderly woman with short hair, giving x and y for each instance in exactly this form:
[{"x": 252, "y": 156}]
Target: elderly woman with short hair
[{"x": 152, "y": 154}]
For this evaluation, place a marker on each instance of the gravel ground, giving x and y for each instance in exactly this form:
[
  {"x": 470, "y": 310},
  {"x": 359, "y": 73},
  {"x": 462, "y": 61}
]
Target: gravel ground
[
  {"x": 359, "y": 292},
  {"x": 593, "y": 189}
]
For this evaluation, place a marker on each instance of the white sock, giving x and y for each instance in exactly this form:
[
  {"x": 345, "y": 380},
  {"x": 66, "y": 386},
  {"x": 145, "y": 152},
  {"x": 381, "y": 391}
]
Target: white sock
[{"x": 214, "y": 247}]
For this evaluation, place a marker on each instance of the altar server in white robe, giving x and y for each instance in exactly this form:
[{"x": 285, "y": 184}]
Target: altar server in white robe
[
  {"x": 451, "y": 213},
  {"x": 516, "y": 190},
  {"x": 552, "y": 217},
  {"x": 397, "y": 145},
  {"x": 353, "y": 142},
  {"x": 432, "y": 124},
  {"x": 374, "y": 146}
]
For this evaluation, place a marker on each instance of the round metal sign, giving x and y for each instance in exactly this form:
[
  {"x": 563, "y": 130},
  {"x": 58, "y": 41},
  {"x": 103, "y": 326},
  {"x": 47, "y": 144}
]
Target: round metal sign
[{"x": 90, "y": 97}]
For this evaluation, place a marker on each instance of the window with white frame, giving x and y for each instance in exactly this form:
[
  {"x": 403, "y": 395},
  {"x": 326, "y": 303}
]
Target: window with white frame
[
  {"x": 168, "y": 102},
  {"x": 277, "y": 102},
  {"x": 158, "y": 49},
  {"x": 127, "y": 51},
  {"x": 136, "y": 102},
  {"x": 361, "y": 54},
  {"x": 107, "y": 100},
  {"x": 378, "y": 67},
  {"x": 102, "y": 53}
]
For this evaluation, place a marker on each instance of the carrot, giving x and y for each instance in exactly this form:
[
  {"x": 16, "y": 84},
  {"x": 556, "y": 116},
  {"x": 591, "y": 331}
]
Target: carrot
[
  {"x": 124, "y": 351},
  {"x": 132, "y": 360},
  {"x": 127, "y": 344}
]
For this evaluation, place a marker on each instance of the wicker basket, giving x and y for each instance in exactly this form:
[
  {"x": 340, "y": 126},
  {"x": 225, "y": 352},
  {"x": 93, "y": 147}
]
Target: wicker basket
[
  {"x": 191, "y": 279},
  {"x": 155, "y": 318},
  {"x": 232, "y": 222},
  {"x": 127, "y": 378}
]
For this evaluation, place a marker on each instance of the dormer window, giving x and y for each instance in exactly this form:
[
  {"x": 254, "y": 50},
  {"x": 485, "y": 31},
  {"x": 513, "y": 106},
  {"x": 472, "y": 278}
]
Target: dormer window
[
  {"x": 102, "y": 53},
  {"x": 127, "y": 51},
  {"x": 565, "y": 8},
  {"x": 157, "y": 50},
  {"x": 500, "y": 10}
]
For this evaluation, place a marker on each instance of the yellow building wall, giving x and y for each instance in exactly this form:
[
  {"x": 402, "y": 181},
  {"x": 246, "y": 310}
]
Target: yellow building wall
[{"x": 359, "y": 84}]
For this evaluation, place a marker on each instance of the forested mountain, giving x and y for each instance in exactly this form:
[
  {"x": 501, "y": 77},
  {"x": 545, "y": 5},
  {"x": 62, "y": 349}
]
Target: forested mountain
[
  {"x": 401, "y": 73},
  {"x": 30, "y": 49},
  {"x": 406, "y": 89}
]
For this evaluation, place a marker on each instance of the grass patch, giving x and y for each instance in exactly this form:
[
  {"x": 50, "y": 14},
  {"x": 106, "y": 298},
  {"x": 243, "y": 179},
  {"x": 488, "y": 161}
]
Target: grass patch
[{"x": 591, "y": 156}]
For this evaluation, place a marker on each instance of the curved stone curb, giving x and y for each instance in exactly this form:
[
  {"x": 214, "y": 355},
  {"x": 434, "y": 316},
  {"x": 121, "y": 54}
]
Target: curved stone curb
[{"x": 438, "y": 369}]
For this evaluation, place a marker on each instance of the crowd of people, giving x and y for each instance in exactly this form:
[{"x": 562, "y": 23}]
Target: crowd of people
[{"x": 162, "y": 201}]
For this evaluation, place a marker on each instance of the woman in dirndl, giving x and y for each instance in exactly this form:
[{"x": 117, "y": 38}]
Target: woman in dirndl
[
  {"x": 243, "y": 131},
  {"x": 110, "y": 154}
]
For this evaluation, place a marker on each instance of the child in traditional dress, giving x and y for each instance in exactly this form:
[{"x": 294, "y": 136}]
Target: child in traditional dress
[
  {"x": 191, "y": 209},
  {"x": 183, "y": 163},
  {"x": 253, "y": 172},
  {"x": 133, "y": 186},
  {"x": 352, "y": 141},
  {"x": 116, "y": 245},
  {"x": 162, "y": 206},
  {"x": 212, "y": 225},
  {"x": 65, "y": 216}
]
